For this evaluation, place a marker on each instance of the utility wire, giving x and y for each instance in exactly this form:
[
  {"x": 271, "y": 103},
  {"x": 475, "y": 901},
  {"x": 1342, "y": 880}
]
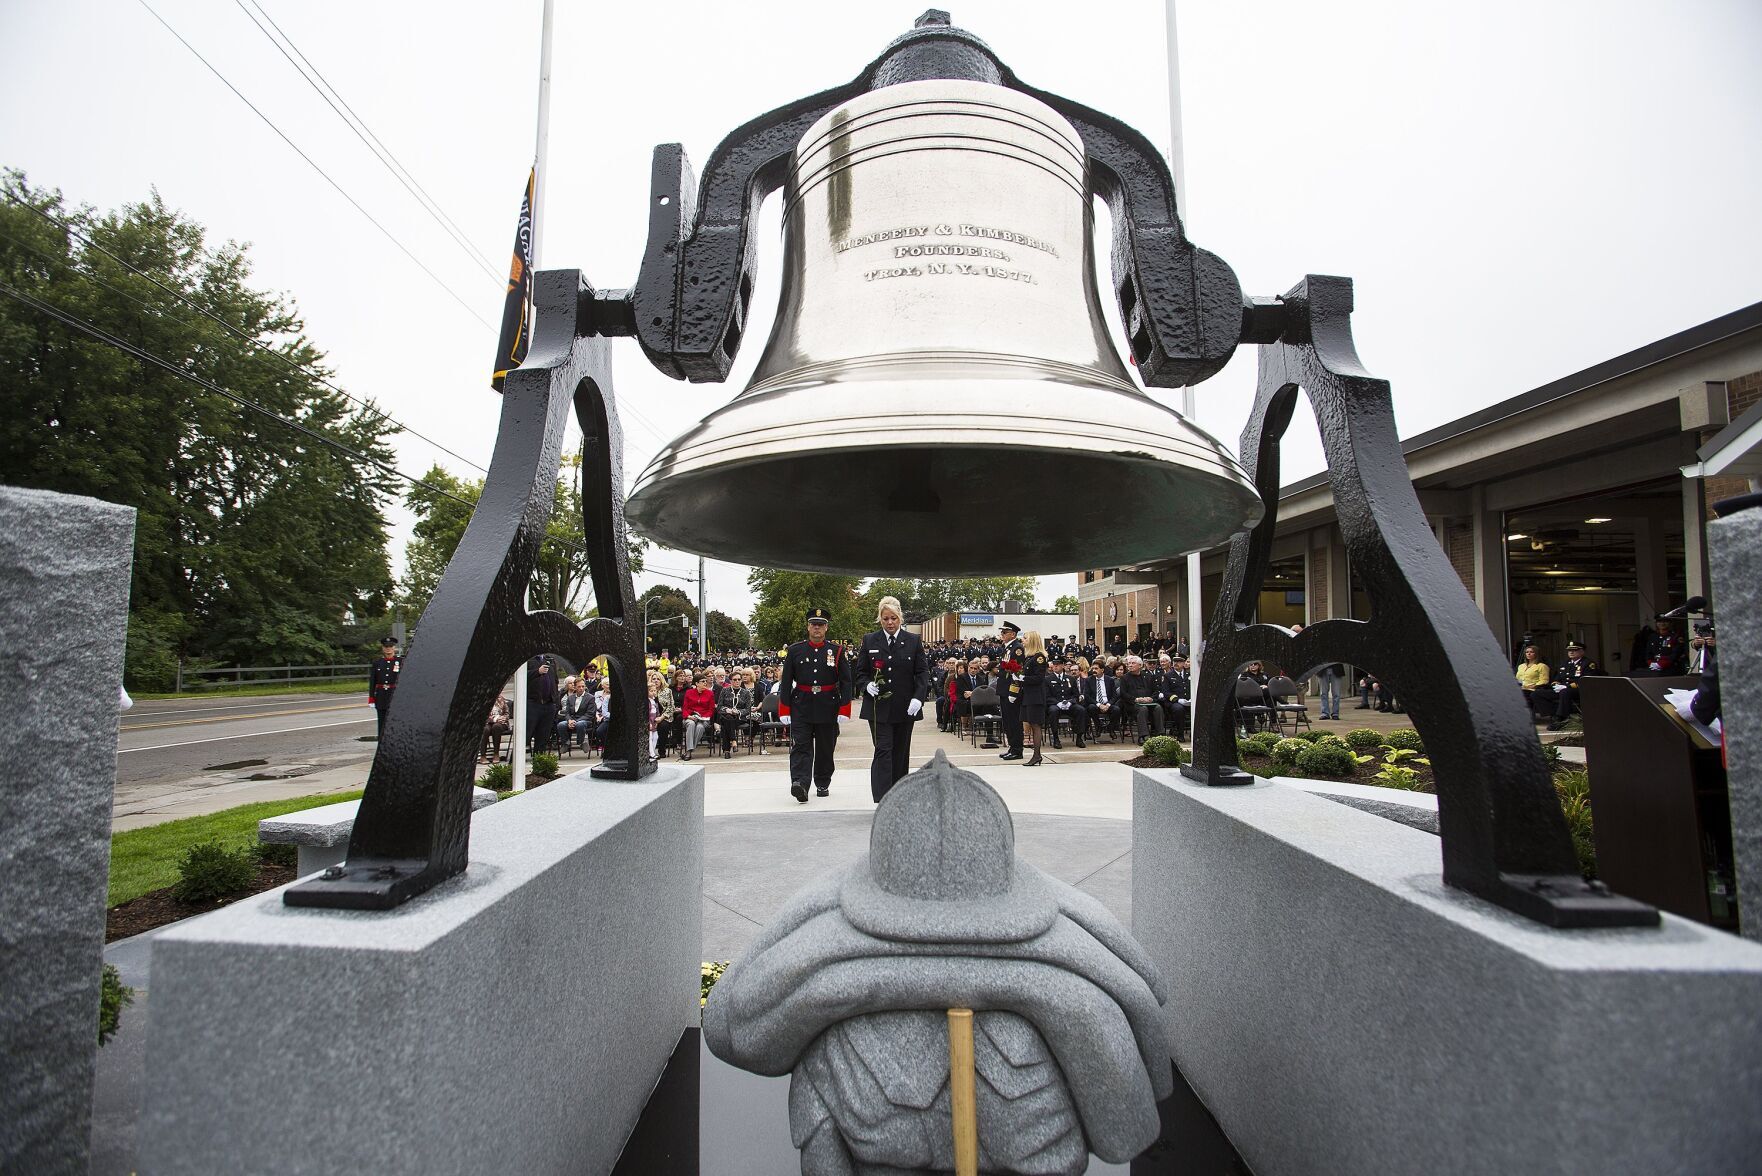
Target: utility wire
[
  {"x": 340, "y": 189},
  {"x": 242, "y": 336},
  {"x": 128, "y": 348},
  {"x": 97, "y": 332},
  {"x": 318, "y": 435},
  {"x": 321, "y": 85}
]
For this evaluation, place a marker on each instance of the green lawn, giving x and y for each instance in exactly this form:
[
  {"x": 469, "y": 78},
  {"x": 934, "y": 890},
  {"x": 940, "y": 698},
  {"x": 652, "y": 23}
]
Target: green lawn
[
  {"x": 143, "y": 860},
  {"x": 267, "y": 689}
]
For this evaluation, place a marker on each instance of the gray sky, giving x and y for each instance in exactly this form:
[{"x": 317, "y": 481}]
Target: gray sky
[{"x": 1518, "y": 189}]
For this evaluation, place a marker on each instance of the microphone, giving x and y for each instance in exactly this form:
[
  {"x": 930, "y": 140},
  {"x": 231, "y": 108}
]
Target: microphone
[{"x": 1693, "y": 604}]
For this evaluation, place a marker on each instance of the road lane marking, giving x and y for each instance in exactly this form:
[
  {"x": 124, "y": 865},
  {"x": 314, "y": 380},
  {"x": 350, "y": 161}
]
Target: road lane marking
[
  {"x": 248, "y": 735},
  {"x": 311, "y": 710},
  {"x": 138, "y": 711}
]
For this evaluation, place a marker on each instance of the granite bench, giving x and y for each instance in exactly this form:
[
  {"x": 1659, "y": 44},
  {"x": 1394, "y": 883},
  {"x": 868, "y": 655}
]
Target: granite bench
[{"x": 322, "y": 833}]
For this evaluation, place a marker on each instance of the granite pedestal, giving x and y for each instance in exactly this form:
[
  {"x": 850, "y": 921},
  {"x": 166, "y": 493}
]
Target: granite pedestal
[
  {"x": 513, "y": 1019},
  {"x": 1734, "y": 556},
  {"x": 1338, "y": 1009},
  {"x": 64, "y": 583}
]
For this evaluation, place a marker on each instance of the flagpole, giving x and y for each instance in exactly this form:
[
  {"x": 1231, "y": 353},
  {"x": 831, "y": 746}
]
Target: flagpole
[
  {"x": 518, "y": 740},
  {"x": 1189, "y": 407}
]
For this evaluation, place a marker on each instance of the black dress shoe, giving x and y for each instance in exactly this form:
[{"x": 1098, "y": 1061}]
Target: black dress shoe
[
  {"x": 827, "y": 791},
  {"x": 1011, "y": 755},
  {"x": 800, "y": 792},
  {"x": 1080, "y": 743}
]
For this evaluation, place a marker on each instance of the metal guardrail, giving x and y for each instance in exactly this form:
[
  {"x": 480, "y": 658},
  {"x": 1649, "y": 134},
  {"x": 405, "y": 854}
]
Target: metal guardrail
[{"x": 236, "y": 675}]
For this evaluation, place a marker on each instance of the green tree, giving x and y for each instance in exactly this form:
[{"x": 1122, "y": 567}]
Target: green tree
[
  {"x": 726, "y": 632},
  {"x": 783, "y": 598},
  {"x": 253, "y": 540},
  {"x": 443, "y": 505},
  {"x": 664, "y": 600},
  {"x": 1067, "y": 604}
]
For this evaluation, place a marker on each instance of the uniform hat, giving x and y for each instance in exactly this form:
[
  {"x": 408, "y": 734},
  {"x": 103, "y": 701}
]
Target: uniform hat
[
  {"x": 388, "y": 640},
  {"x": 818, "y": 616},
  {"x": 1575, "y": 645},
  {"x": 1010, "y": 625}
]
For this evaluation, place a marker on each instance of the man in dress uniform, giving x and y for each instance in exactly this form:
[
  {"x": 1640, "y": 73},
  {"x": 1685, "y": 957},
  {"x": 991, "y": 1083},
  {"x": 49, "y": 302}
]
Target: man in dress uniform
[
  {"x": 895, "y": 657},
  {"x": 1009, "y": 690},
  {"x": 813, "y": 697},
  {"x": 1566, "y": 679},
  {"x": 1064, "y": 695},
  {"x": 383, "y": 681}
]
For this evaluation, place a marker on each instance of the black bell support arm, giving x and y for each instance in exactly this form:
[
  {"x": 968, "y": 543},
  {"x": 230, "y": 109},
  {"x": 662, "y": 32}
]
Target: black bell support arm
[
  {"x": 1182, "y": 306},
  {"x": 1504, "y": 837},
  {"x": 413, "y": 827}
]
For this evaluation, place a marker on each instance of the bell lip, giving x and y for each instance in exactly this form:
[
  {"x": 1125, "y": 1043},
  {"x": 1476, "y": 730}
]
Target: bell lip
[
  {"x": 653, "y": 496},
  {"x": 878, "y": 400}
]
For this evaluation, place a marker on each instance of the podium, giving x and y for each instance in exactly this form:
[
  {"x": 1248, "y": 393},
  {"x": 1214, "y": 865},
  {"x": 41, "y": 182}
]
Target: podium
[{"x": 1659, "y": 807}]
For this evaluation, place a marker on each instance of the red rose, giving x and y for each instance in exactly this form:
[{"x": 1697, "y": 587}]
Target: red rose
[{"x": 879, "y": 664}]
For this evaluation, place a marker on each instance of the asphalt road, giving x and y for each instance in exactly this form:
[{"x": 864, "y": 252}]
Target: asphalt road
[{"x": 179, "y": 747}]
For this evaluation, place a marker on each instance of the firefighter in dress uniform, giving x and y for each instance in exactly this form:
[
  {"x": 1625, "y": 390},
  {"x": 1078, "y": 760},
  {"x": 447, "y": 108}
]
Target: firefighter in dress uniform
[
  {"x": 383, "y": 681},
  {"x": 813, "y": 698},
  {"x": 1009, "y": 689}
]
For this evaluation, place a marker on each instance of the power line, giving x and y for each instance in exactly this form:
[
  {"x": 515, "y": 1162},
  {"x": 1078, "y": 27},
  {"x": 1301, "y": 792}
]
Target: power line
[
  {"x": 321, "y": 85},
  {"x": 128, "y": 348},
  {"x": 302, "y": 154},
  {"x": 211, "y": 316}
]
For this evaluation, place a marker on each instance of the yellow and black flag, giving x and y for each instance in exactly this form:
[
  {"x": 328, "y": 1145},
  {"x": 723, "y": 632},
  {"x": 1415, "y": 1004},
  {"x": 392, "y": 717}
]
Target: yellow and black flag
[{"x": 517, "y": 307}]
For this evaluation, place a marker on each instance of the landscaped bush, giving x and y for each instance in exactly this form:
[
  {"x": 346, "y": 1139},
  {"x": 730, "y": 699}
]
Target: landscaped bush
[
  {"x": 1267, "y": 740},
  {"x": 211, "y": 871},
  {"x": 1286, "y": 751},
  {"x": 1246, "y": 749},
  {"x": 497, "y": 777},
  {"x": 1166, "y": 750},
  {"x": 1551, "y": 755},
  {"x": 1404, "y": 739},
  {"x": 1574, "y": 788},
  {"x": 544, "y": 766},
  {"x": 1364, "y": 739},
  {"x": 113, "y": 994},
  {"x": 710, "y": 973},
  {"x": 1327, "y": 759},
  {"x": 1330, "y": 737},
  {"x": 1313, "y": 735},
  {"x": 276, "y": 854}
]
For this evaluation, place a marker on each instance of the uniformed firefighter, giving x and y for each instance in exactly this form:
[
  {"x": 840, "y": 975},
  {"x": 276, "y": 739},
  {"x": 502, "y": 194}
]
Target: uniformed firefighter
[
  {"x": 813, "y": 698},
  {"x": 383, "y": 681}
]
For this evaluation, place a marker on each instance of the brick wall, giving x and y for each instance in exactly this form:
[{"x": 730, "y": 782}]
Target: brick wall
[
  {"x": 1743, "y": 392},
  {"x": 1459, "y": 546}
]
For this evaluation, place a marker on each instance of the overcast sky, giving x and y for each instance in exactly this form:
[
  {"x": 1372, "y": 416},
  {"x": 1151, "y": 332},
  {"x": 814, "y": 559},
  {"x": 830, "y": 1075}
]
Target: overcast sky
[{"x": 1518, "y": 189}]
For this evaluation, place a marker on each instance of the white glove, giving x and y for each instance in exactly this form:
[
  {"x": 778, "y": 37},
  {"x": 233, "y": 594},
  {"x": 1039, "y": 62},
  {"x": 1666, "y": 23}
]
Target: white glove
[
  {"x": 844, "y": 718},
  {"x": 873, "y": 689},
  {"x": 785, "y": 719},
  {"x": 914, "y": 706}
]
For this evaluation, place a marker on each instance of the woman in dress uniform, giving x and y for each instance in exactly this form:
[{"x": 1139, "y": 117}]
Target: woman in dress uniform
[{"x": 1033, "y": 690}]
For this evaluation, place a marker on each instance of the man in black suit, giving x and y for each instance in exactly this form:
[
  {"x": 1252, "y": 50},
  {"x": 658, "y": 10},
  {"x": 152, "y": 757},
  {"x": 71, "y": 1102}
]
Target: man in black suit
[
  {"x": 1139, "y": 688},
  {"x": 893, "y": 679}
]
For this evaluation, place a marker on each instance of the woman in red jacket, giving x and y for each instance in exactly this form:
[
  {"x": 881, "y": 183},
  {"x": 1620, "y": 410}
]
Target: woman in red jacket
[{"x": 698, "y": 711}]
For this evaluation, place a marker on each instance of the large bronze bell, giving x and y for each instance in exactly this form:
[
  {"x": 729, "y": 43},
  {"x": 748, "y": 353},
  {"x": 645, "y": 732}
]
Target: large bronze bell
[{"x": 939, "y": 396}]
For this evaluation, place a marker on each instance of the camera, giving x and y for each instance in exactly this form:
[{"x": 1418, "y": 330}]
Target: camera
[{"x": 1704, "y": 626}]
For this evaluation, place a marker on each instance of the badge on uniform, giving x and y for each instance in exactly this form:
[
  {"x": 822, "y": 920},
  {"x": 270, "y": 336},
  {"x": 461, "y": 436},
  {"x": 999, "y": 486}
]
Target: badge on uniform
[{"x": 829, "y": 659}]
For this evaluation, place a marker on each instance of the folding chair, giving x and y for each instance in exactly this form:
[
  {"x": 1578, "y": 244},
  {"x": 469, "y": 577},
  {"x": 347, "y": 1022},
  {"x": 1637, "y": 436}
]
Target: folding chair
[
  {"x": 1283, "y": 691},
  {"x": 985, "y": 714},
  {"x": 1251, "y": 707},
  {"x": 772, "y": 729}
]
